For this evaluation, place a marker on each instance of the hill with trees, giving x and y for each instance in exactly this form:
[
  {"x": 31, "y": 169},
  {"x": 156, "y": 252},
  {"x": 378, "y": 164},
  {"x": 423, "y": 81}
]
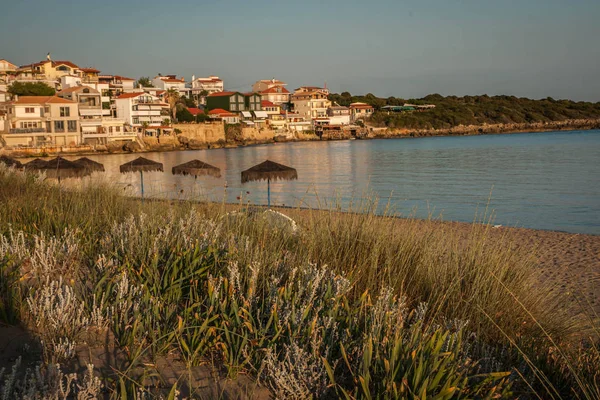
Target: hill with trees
[{"x": 453, "y": 111}]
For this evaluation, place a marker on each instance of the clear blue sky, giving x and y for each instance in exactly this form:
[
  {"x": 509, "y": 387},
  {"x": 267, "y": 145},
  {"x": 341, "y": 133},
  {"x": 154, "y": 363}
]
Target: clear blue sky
[{"x": 532, "y": 48}]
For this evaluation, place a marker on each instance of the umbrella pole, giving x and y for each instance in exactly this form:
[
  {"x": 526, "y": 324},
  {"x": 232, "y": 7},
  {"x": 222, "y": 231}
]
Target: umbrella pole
[
  {"x": 142, "y": 183},
  {"x": 269, "y": 192}
]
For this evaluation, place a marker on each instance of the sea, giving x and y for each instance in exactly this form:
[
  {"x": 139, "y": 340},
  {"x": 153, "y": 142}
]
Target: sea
[{"x": 548, "y": 180}]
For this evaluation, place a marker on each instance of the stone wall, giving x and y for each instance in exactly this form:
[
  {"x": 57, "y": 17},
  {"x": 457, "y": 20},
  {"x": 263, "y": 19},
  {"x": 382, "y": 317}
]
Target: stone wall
[
  {"x": 202, "y": 133},
  {"x": 258, "y": 135}
]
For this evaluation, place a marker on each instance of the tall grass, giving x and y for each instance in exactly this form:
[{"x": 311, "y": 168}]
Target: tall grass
[{"x": 351, "y": 305}]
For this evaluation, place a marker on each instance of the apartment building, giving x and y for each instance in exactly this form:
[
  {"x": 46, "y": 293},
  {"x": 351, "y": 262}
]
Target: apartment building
[{"x": 311, "y": 104}]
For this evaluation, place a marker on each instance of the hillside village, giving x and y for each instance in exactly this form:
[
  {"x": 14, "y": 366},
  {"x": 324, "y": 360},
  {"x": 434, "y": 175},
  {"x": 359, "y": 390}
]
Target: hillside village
[{"x": 91, "y": 108}]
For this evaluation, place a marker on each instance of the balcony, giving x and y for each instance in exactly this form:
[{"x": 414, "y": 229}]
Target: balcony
[
  {"x": 90, "y": 122},
  {"x": 88, "y": 112},
  {"x": 146, "y": 113},
  {"x": 27, "y": 130}
]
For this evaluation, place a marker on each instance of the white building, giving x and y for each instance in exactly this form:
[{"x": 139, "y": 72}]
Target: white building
[
  {"x": 169, "y": 82},
  {"x": 139, "y": 108},
  {"x": 212, "y": 84}
]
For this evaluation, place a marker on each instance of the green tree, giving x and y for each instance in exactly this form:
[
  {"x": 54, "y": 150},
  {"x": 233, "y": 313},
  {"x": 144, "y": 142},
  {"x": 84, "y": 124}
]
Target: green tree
[
  {"x": 184, "y": 115},
  {"x": 145, "y": 81},
  {"x": 31, "y": 89},
  {"x": 202, "y": 118},
  {"x": 173, "y": 98},
  {"x": 188, "y": 102}
]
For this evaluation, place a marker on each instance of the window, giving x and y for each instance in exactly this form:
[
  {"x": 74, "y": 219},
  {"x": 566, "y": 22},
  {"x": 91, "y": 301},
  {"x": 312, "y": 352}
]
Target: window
[
  {"x": 117, "y": 129},
  {"x": 65, "y": 111},
  {"x": 47, "y": 109},
  {"x": 29, "y": 125},
  {"x": 110, "y": 129},
  {"x": 29, "y": 110},
  {"x": 72, "y": 126},
  {"x": 135, "y": 120},
  {"x": 59, "y": 126}
]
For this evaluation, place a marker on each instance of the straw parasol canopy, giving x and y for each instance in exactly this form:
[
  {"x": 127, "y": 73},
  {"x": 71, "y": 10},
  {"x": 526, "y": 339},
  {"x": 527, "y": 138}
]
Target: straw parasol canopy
[
  {"x": 141, "y": 164},
  {"x": 10, "y": 162},
  {"x": 90, "y": 165},
  {"x": 60, "y": 168},
  {"x": 196, "y": 168},
  {"x": 269, "y": 171},
  {"x": 35, "y": 164}
]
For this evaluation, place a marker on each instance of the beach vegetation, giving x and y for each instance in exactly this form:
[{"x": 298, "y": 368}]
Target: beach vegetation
[{"x": 348, "y": 305}]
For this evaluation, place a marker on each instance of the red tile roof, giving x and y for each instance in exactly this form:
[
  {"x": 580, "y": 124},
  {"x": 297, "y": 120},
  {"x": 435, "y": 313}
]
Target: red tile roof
[
  {"x": 266, "y": 103},
  {"x": 90, "y": 70},
  {"x": 42, "y": 100},
  {"x": 360, "y": 105},
  {"x": 221, "y": 113},
  {"x": 64, "y": 62},
  {"x": 130, "y": 95},
  {"x": 171, "y": 80},
  {"x": 195, "y": 111},
  {"x": 276, "y": 89},
  {"x": 122, "y": 78}
]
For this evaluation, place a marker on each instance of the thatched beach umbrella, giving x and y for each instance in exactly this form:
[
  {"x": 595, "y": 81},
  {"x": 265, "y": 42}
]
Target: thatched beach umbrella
[
  {"x": 10, "y": 162},
  {"x": 35, "y": 165},
  {"x": 59, "y": 168},
  {"x": 269, "y": 171},
  {"x": 196, "y": 168},
  {"x": 90, "y": 165},
  {"x": 141, "y": 165}
]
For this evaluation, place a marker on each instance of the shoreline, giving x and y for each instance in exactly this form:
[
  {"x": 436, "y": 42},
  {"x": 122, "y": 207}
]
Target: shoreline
[{"x": 181, "y": 143}]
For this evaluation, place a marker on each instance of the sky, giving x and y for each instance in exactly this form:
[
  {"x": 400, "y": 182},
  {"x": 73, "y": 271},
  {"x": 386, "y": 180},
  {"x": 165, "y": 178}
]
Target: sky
[{"x": 407, "y": 49}]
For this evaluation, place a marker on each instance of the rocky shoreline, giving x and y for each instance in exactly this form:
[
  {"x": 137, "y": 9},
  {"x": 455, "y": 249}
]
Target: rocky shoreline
[{"x": 211, "y": 136}]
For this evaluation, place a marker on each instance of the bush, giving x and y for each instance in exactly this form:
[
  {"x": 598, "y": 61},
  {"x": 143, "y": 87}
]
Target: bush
[{"x": 30, "y": 89}]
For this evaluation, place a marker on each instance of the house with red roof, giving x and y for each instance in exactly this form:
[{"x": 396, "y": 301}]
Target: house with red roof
[
  {"x": 360, "y": 111},
  {"x": 195, "y": 111},
  {"x": 167, "y": 82},
  {"x": 211, "y": 84},
  {"x": 265, "y": 84},
  {"x": 42, "y": 120},
  {"x": 140, "y": 109},
  {"x": 224, "y": 115}
]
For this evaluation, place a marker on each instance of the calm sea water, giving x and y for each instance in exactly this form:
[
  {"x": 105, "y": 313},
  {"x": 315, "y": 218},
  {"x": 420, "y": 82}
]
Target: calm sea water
[{"x": 535, "y": 180}]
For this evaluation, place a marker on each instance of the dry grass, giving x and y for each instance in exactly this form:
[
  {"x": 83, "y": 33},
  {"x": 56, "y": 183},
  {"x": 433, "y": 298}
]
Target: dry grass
[{"x": 352, "y": 305}]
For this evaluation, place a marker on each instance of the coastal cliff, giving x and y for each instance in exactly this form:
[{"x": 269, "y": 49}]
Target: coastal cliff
[{"x": 463, "y": 130}]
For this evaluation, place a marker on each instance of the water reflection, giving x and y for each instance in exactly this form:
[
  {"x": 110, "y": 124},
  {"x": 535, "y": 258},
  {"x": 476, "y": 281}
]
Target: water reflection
[{"x": 546, "y": 181}]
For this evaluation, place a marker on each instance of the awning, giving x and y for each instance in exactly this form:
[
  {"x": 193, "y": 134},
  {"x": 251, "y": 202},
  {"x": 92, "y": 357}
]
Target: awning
[
  {"x": 249, "y": 122},
  {"x": 261, "y": 114},
  {"x": 246, "y": 114}
]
